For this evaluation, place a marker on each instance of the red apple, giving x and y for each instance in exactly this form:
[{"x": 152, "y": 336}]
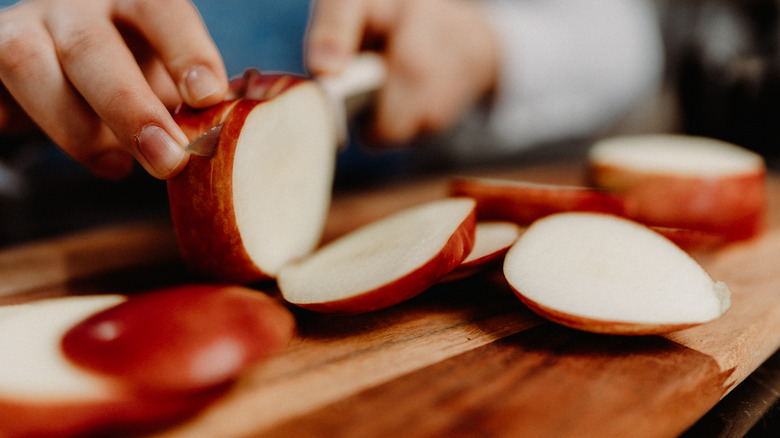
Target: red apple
[
  {"x": 524, "y": 202},
  {"x": 262, "y": 199},
  {"x": 384, "y": 262},
  {"x": 684, "y": 182},
  {"x": 43, "y": 394},
  {"x": 693, "y": 240},
  {"x": 181, "y": 339},
  {"x": 491, "y": 242},
  {"x": 606, "y": 274},
  {"x": 195, "y": 121}
]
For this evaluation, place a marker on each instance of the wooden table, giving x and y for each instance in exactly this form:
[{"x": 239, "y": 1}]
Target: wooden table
[{"x": 462, "y": 359}]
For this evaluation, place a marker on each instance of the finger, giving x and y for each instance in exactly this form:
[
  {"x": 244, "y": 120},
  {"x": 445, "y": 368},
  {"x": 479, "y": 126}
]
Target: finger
[
  {"x": 102, "y": 69},
  {"x": 176, "y": 32},
  {"x": 335, "y": 34},
  {"x": 30, "y": 70}
]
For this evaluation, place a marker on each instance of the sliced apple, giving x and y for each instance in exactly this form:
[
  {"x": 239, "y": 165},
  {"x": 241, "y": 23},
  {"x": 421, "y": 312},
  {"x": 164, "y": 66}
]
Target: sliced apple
[
  {"x": 606, "y": 274},
  {"x": 181, "y": 339},
  {"x": 524, "y": 202},
  {"x": 385, "y": 262},
  {"x": 195, "y": 121},
  {"x": 491, "y": 242},
  {"x": 684, "y": 181},
  {"x": 43, "y": 394},
  {"x": 262, "y": 199}
]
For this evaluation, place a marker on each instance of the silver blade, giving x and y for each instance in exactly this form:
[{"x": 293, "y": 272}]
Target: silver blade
[{"x": 206, "y": 144}]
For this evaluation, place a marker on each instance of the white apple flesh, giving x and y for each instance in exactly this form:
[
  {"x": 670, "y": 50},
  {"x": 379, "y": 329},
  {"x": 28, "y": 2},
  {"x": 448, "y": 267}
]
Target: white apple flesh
[
  {"x": 385, "y": 262},
  {"x": 684, "y": 181},
  {"x": 42, "y": 394},
  {"x": 492, "y": 240},
  {"x": 606, "y": 274},
  {"x": 262, "y": 199}
]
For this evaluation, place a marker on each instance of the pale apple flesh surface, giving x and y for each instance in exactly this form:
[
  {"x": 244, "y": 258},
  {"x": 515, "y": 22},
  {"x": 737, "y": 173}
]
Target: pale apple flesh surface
[
  {"x": 384, "y": 262},
  {"x": 603, "y": 273},
  {"x": 282, "y": 176}
]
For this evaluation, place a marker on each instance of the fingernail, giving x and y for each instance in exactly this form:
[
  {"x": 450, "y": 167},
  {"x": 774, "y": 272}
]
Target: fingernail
[
  {"x": 161, "y": 153},
  {"x": 113, "y": 164},
  {"x": 199, "y": 83}
]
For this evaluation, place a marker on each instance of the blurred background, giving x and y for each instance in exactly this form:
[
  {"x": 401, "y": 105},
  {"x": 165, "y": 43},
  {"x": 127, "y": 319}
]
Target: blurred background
[{"x": 723, "y": 65}]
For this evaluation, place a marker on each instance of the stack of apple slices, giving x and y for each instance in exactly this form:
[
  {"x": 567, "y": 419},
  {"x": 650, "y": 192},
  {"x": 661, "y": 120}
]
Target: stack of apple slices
[
  {"x": 108, "y": 363},
  {"x": 699, "y": 192}
]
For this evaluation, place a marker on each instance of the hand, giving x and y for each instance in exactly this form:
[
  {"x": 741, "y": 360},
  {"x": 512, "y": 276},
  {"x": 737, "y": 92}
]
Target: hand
[
  {"x": 441, "y": 55},
  {"x": 99, "y": 77}
]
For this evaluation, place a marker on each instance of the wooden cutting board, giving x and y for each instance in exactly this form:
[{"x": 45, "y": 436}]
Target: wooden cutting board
[{"x": 462, "y": 359}]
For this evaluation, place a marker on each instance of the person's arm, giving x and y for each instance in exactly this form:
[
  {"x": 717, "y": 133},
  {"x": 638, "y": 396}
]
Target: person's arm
[{"x": 100, "y": 76}]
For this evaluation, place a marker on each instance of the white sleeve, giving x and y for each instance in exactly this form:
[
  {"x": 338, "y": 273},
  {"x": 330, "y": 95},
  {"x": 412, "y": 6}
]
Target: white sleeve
[{"x": 569, "y": 68}]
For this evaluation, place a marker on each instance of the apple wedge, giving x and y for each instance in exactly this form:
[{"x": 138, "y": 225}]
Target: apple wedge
[
  {"x": 684, "y": 181},
  {"x": 384, "y": 262},
  {"x": 262, "y": 199},
  {"x": 491, "y": 242},
  {"x": 524, "y": 202},
  {"x": 181, "y": 339},
  {"x": 43, "y": 394},
  {"x": 606, "y": 274}
]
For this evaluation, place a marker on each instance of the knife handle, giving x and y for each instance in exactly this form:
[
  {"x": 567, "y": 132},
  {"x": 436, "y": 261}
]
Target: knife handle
[{"x": 355, "y": 88}]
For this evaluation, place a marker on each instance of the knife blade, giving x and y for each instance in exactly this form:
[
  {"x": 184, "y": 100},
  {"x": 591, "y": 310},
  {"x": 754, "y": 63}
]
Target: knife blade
[
  {"x": 349, "y": 92},
  {"x": 206, "y": 144}
]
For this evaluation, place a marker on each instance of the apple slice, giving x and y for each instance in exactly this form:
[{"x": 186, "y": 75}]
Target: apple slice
[
  {"x": 262, "y": 199},
  {"x": 606, "y": 274},
  {"x": 684, "y": 181},
  {"x": 384, "y": 262},
  {"x": 524, "y": 202},
  {"x": 181, "y": 339},
  {"x": 491, "y": 242},
  {"x": 195, "y": 121},
  {"x": 43, "y": 394}
]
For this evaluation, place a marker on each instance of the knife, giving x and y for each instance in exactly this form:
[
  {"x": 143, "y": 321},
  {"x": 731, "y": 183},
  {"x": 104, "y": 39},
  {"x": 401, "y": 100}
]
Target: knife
[{"x": 349, "y": 92}]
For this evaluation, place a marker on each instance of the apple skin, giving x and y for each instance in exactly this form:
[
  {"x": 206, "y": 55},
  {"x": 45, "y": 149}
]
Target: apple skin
[
  {"x": 732, "y": 205},
  {"x": 597, "y": 325},
  {"x": 195, "y": 121},
  {"x": 181, "y": 339},
  {"x": 523, "y": 202},
  {"x": 201, "y": 203},
  {"x": 254, "y": 84},
  {"x": 123, "y": 413},
  {"x": 448, "y": 258}
]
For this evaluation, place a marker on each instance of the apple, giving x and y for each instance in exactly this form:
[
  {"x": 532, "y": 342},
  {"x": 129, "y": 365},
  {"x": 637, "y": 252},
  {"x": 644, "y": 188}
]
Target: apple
[
  {"x": 607, "y": 274},
  {"x": 524, "y": 202},
  {"x": 181, "y": 339},
  {"x": 491, "y": 242},
  {"x": 693, "y": 241},
  {"x": 262, "y": 200},
  {"x": 43, "y": 394},
  {"x": 684, "y": 181},
  {"x": 195, "y": 121},
  {"x": 385, "y": 262}
]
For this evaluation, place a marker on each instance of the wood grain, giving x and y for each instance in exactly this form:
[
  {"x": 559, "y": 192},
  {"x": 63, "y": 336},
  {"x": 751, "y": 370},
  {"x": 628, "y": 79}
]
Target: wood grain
[{"x": 465, "y": 358}]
